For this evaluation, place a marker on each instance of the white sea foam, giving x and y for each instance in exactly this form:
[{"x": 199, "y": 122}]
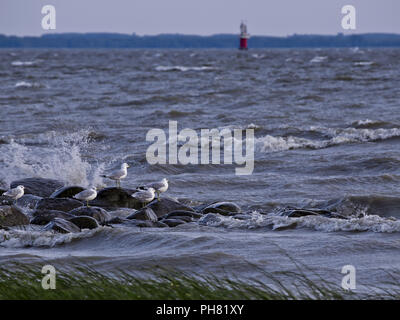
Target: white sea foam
[
  {"x": 23, "y": 63},
  {"x": 364, "y": 122},
  {"x": 182, "y": 68},
  {"x": 270, "y": 143},
  {"x": 25, "y": 84},
  {"x": 318, "y": 59},
  {"x": 363, "y": 63},
  {"x": 371, "y": 223},
  {"x": 60, "y": 156},
  {"x": 33, "y": 237}
]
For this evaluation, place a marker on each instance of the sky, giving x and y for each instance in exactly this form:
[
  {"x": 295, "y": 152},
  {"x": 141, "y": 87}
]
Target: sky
[{"x": 203, "y": 17}]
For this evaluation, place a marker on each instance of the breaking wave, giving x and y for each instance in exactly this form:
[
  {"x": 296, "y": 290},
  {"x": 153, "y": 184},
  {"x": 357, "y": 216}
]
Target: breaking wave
[
  {"x": 182, "y": 68},
  {"x": 54, "y": 156},
  {"x": 23, "y": 63},
  {"x": 33, "y": 237},
  {"x": 257, "y": 220},
  {"x": 271, "y": 143}
]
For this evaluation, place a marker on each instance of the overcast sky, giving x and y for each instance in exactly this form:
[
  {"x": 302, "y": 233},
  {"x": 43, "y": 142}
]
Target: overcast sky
[{"x": 264, "y": 17}]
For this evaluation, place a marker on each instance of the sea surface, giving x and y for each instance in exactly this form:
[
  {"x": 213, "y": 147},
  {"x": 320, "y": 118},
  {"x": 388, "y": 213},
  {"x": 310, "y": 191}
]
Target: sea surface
[{"x": 327, "y": 135}]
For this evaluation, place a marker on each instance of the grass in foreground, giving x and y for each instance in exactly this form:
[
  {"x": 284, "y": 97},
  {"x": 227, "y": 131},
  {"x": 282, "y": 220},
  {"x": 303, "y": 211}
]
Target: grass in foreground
[{"x": 22, "y": 283}]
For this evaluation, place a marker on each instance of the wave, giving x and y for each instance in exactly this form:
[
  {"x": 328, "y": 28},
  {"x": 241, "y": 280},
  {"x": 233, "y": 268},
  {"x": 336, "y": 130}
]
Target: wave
[
  {"x": 363, "y": 63},
  {"x": 31, "y": 236},
  {"x": 55, "y": 155},
  {"x": 182, "y": 68},
  {"x": 271, "y": 143},
  {"x": 273, "y": 222},
  {"x": 367, "y": 123},
  {"x": 318, "y": 59},
  {"x": 23, "y": 63},
  {"x": 25, "y": 84}
]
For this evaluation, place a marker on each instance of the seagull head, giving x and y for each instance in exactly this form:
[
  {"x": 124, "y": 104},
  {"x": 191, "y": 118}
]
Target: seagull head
[
  {"x": 125, "y": 165},
  {"x": 21, "y": 187}
]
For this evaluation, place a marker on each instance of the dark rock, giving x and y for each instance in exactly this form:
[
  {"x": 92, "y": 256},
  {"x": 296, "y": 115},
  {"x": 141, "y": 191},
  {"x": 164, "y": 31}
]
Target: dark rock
[
  {"x": 2, "y": 191},
  {"x": 224, "y": 206},
  {"x": 219, "y": 211},
  {"x": 45, "y": 216},
  {"x": 140, "y": 223},
  {"x": 160, "y": 224},
  {"x": 242, "y": 216},
  {"x": 117, "y": 220},
  {"x": 59, "y": 204},
  {"x": 11, "y": 216},
  {"x": 182, "y": 213},
  {"x": 210, "y": 219},
  {"x": 144, "y": 214},
  {"x": 67, "y": 192},
  {"x": 97, "y": 213},
  {"x": 62, "y": 226},
  {"x": 84, "y": 222},
  {"x": 4, "y": 228},
  {"x": 172, "y": 222},
  {"x": 183, "y": 218},
  {"x": 298, "y": 213},
  {"x": 29, "y": 200},
  {"x": 165, "y": 205},
  {"x": 38, "y": 186},
  {"x": 116, "y": 198},
  {"x": 6, "y": 201},
  {"x": 289, "y": 226}
]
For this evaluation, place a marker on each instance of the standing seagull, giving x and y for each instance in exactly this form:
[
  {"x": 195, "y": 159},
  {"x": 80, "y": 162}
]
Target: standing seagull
[
  {"x": 144, "y": 196},
  {"x": 87, "y": 195},
  {"x": 160, "y": 186},
  {"x": 15, "y": 193},
  {"x": 119, "y": 174}
]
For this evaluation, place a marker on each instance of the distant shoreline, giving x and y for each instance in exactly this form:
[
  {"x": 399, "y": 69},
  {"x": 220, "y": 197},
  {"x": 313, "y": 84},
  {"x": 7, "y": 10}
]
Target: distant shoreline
[{"x": 180, "y": 41}]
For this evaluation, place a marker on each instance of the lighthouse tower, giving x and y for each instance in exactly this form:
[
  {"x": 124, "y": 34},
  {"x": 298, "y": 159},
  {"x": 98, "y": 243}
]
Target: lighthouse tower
[{"x": 243, "y": 36}]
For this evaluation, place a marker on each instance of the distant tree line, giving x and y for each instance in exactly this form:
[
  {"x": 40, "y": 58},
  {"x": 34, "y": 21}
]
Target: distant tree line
[{"x": 115, "y": 40}]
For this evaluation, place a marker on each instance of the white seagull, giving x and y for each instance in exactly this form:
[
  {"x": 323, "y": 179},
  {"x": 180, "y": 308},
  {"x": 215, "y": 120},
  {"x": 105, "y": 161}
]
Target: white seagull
[
  {"x": 119, "y": 174},
  {"x": 87, "y": 195},
  {"x": 144, "y": 196},
  {"x": 160, "y": 186},
  {"x": 15, "y": 193}
]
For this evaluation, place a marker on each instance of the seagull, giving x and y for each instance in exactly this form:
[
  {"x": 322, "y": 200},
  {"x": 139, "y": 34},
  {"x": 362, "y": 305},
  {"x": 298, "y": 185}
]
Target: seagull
[
  {"x": 15, "y": 193},
  {"x": 160, "y": 186},
  {"x": 87, "y": 195},
  {"x": 119, "y": 174},
  {"x": 144, "y": 196}
]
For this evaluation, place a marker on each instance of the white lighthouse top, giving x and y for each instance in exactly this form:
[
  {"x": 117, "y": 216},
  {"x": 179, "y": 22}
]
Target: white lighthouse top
[{"x": 243, "y": 30}]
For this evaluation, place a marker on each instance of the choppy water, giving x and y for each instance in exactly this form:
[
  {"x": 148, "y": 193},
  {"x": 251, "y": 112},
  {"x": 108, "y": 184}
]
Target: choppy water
[{"x": 327, "y": 131}]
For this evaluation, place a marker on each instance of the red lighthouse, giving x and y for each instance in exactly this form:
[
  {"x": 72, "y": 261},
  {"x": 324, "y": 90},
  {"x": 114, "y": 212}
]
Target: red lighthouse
[{"x": 243, "y": 36}]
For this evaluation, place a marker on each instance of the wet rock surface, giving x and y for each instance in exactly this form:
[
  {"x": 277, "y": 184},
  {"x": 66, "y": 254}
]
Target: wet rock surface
[
  {"x": 164, "y": 206},
  {"x": 38, "y": 186},
  {"x": 66, "y": 192},
  {"x": 84, "y": 222},
  {"x": 144, "y": 214},
  {"x": 111, "y": 198},
  {"x": 61, "y": 226},
  {"x": 43, "y": 217},
  {"x": 101, "y": 215},
  {"x": 59, "y": 204},
  {"x": 11, "y": 216}
]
